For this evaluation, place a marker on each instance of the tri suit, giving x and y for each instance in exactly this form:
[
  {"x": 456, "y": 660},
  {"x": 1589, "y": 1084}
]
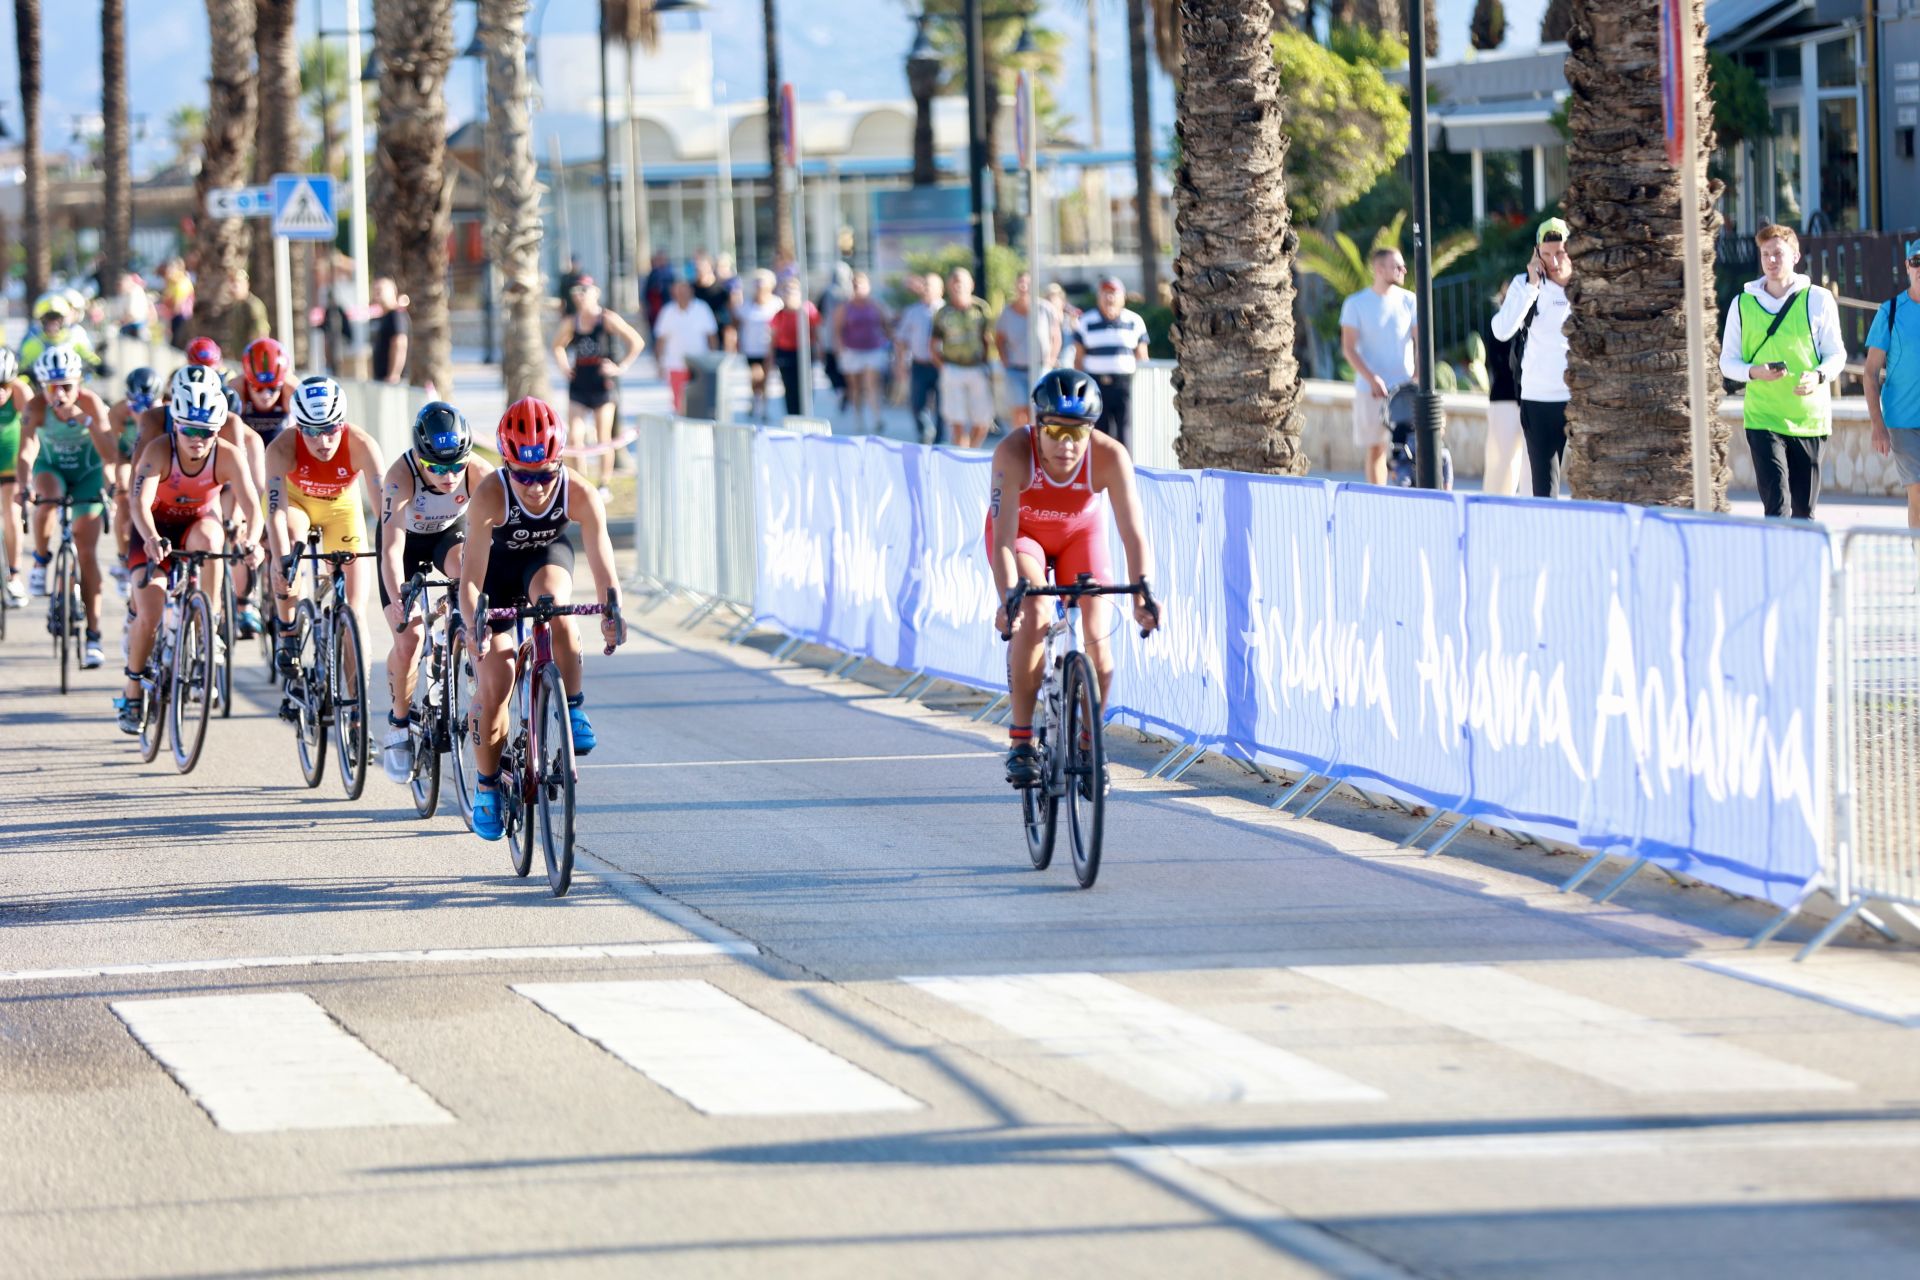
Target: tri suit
[
  {"x": 432, "y": 524},
  {"x": 525, "y": 542},
  {"x": 1063, "y": 524},
  {"x": 324, "y": 491},
  {"x": 589, "y": 353},
  {"x": 182, "y": 500}
]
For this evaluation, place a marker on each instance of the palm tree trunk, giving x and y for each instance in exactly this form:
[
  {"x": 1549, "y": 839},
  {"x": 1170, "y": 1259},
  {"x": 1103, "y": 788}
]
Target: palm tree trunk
[
  {"x": 221, "y": 244},
  {"x": 513, "y": 196},
  {"x": 1238, "y": 385},
  {"x": 1627, "y": 422},
  {"x": 776, "y": 154},
  {"x": 33, "y": 231},
  {"x": 277, "y": 149},
  {"x": 1389, "y": 17},
  {"x": 117, "y": 234},
  {"x": 415, "y": 38},
  {"x": 1144, "y": 199}
]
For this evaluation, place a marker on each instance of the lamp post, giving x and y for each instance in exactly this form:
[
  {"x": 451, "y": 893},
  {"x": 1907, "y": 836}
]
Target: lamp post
[
  {"x": 477, "y": 51},
  {"x": 923, "y": 77},
  {"x": 1426, "y": 412}
]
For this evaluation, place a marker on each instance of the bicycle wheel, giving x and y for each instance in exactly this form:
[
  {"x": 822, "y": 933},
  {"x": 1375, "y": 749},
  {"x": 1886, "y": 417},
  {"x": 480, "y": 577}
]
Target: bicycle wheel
[
  {"x": 153, "y": 701},
  {"x": 348, "y": 672},
  {"x": 229, "y": 609},
  {"x": 552, "y": 768},
  {"x": 424, "y": 729},
  {"x": 269, "y": 621},
  {"x": 457, "y": 678},
  {"x": 61, "y": 600},
  {"x": 191, "y": 696},
  {"x": 1086, "y": 771},
  {"x": 515, "y": 762},
  {"x": 307, "y": 691},
  {"x": 1040, "y": 810}
]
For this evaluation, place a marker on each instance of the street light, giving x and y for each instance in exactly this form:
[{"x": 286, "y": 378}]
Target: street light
[{"x": 923, "y": 77}]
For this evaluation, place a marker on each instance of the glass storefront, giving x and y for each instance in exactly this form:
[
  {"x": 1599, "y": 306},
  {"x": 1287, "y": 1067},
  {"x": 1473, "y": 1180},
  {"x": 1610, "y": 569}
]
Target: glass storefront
[{"x": 1840, "y": 162}]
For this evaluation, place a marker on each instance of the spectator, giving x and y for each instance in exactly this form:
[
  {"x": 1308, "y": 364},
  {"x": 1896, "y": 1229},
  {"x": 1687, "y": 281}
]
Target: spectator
[
  {"x": 390, "y": 332},
  {"x": 336, "y": 322},
  {"x": 135, "y": 307},
  {"x": 1533, "y": 320},
  {"x": 684, "y": 326},
  {"x": 246, "y": 316},
  {"x": 914, "y": 338},
  {"x": 785, "y": 269},
  {"x": 864, "y": 338},
  {"x": 1783, "y": 340},
  {"x": 1109, "y": 343},
  {"x": 176, "y": 303},
  {"x": 1893, "y": 352},
  {"x": 1053, "y": 337},
  {"x": 755, "y": 316},
  {"x": 961, "y": 346},
  {"x": 709, "y": 288},
  {"x": 1013, "y": 334},
  {"x": 786, "y": 343},
  {"x": 583, "y": 346},
  {"x": 1506, "y": 457},
  {"x": 834, "y": 298},
  {"x": 657, "y": 292},
  {"x": 569, "y": 279},
  {"x": 1376, "y": 336}
]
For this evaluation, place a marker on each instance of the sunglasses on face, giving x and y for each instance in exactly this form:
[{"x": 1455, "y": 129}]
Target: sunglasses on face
[
  {"x": 1066, "y": 431},
  {"x": 443, "y": 468},
  {"x": 197, "y": 433},
  {"x": 532, "y": 477},
  {"x": 320, "y": 433},
  {"x": 1914, "y": 261}
]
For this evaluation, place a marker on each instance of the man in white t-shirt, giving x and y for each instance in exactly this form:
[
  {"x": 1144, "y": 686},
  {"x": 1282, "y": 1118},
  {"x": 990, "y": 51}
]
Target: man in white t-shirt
[
  {"x": 755, "y": 316},
  {"x": 683, "y": 327},
  {"x": 1376, "y": 336}
]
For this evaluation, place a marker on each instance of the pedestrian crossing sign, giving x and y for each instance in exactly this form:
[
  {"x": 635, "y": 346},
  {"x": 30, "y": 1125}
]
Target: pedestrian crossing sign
[{"x": 303, "y": 206}]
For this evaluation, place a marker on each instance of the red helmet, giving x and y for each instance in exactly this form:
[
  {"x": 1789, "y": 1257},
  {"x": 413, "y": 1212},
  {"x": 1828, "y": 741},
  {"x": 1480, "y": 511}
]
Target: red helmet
[
  {"x": 204, "y": 352},
  {"x": 264, "y": 363},
  {"x": 529, "y": 432}
]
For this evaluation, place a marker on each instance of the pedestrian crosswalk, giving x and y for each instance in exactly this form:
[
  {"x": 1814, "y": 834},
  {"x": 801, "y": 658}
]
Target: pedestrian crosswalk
[{"x": 282, "y": 1061}]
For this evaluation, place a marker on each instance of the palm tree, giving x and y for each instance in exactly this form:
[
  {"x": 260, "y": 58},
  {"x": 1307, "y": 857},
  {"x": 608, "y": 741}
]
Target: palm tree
[
  {"x": 1489, "y": 26},
  {"x": 1389, "y": 17},
  {"x": 221, "y": 243},
  {"x": 1554, "y": 22},
  {"x": 415, "y": 38},
  {"x": 513, "y": 195},
  {"x": 117, "y": 233},
  {"x": 1144, "y": 198},
  {"x": 26, "y": 26},
  {"x": 1627, "y": 422},
  {"x": 277, "y": 146},
  {"x": 776, "y": 153},
  {"x": 187, "y": 131},
  {"x": 1238, "y": 385}
]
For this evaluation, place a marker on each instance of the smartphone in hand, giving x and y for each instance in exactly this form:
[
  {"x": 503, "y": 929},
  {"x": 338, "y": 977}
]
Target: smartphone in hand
[{"x": 1778, "y": 366}]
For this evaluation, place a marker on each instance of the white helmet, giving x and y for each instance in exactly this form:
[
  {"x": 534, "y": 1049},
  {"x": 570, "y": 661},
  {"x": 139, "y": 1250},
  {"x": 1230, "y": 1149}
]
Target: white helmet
[
  {"x": 9, "y": 366},
  {"x": 199, "y": 398},
  {"x": 319, "y": 402},
  {"x": 57, "y": 364}
]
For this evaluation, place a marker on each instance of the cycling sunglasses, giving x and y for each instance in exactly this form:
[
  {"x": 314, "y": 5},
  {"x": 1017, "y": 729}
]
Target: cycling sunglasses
[
  {"x": 195, "y": 433},
  {"x": 443, "y": 468},
  {"x": 545, "y": 476},
  {"x": 319, "y": 433},
  {"x": 1914, "y": 261},
  {"x": 1064, "y": 431}
]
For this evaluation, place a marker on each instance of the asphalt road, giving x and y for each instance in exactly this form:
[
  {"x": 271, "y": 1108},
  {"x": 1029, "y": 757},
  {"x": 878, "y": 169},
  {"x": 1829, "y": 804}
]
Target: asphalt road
[{"x": 809, "y": 1012}]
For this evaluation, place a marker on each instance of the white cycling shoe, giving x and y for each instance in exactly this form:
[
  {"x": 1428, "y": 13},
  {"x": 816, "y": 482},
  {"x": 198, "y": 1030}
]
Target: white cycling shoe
[{"x": 396, "y": 755}]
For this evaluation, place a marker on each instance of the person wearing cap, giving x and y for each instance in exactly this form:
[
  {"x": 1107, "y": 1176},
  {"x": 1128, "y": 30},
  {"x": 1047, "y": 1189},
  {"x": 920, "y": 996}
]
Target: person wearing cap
[
  {"x": 1109, "y": 343},
  {"x": 962, "y": 347},
  {"x": 1893, "y": 382},
  {"x": 1376, "y": 336},
  {"x": 1783, "y": 340},
  {"x": 1533, "y": 320}
]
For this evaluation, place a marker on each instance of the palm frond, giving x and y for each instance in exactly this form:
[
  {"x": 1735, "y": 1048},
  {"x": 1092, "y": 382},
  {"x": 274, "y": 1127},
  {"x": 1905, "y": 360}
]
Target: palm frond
[
  {"x": 631, "y": 22},
  {"x": 1453, "y": 248},
  {"x": 1335, "y": 258}
]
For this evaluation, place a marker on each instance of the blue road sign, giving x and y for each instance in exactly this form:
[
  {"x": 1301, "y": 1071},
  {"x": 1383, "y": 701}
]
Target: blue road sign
[{"x": 303, "y": 206}]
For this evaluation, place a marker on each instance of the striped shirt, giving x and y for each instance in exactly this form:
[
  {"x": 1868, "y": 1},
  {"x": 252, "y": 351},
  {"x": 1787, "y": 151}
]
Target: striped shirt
[{"x": 1109, "y": 345}]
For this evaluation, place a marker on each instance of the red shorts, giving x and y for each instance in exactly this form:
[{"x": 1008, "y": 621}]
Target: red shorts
[
  {"x": 677, "y": 380},
  {"x": 173, "y": 530},
  {"x": 1067, "y": 549}
]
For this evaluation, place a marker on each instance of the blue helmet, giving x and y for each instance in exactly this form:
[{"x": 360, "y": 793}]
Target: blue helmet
[
  {"x": 1067, "y": 393},
  {"x": 143, "y": 388}
]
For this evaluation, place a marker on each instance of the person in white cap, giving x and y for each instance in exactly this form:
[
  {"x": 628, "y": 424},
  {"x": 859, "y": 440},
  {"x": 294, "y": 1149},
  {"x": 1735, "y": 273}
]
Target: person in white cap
[
  {"x": 1533, "y": 319},
  {"x": 1109, "y": 343}
]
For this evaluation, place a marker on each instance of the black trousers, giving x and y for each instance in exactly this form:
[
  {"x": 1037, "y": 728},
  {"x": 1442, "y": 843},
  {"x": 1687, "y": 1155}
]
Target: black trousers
[
  {"x": 788, "y": 362},
  {"x": 1544, "y": 424},
  {"x": 1116, "y": 407},
  {"x": 1786, "y": 466}
]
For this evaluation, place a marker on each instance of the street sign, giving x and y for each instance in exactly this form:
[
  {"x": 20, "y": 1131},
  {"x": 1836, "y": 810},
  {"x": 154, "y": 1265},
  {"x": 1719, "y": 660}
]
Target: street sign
[
  {"x": 303, "y": 206},
  {"x": 240, "y": 202}
]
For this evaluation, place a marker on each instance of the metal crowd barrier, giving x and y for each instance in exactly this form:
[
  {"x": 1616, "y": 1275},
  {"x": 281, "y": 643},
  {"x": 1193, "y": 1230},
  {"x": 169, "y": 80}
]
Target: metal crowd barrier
[
  {"x": 1874, "y": 856},
  {"x": 693, "y": 529}
]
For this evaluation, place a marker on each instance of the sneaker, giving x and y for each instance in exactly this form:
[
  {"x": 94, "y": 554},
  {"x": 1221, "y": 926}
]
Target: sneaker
[
  {"x": 16, "y": 595},
  {"x": 1023, "y": 765},
  {"x": 37, "y": 580},
  {"x": 246, "y": 621},
  {"x": 91, "y": 655},
  {"x": 486, "y": 813},
  {"x": 128, "y": 717},
  {"x": 284, "y": 657},
  {"x": 583, "y": 739},
  {"x": 396, "y": 753}
]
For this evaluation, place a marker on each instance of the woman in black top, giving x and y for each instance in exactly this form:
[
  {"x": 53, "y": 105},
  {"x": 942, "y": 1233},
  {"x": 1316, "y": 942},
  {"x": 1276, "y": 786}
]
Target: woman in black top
[
  {"x": 584, "y": 347},
  {"x": 1506, "y": 458}
]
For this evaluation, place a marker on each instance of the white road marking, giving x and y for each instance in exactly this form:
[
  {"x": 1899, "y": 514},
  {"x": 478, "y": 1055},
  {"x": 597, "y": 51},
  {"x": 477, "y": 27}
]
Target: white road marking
[
  {"x": 1309, "y": 1243},
  {"x": 1863, "y": 982},
  {"x": 732, "y": 764},
  {"x": 449, "y": 955},
  {"x": 275, "y": 1061},
  {"x": 1567, "y": 1145},
  {"x": 718, "y": 1055},
  {"x": 1615, "y": 1046},
  {"x": 1147, "y": 1044}
]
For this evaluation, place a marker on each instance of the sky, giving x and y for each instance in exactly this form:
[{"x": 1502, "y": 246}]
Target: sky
[{"x": 822, "y": 52}]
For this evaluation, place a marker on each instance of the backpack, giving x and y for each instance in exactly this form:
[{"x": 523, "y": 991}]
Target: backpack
[{"x": 1517, "y": 345}]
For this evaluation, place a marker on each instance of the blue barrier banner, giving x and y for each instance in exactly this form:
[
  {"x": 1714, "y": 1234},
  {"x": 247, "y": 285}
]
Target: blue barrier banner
[
  {"x": 849, "y": 495},
  {"x": 953, "y": 615},
  {"x": 1172, "y": 683},
  {"x": 894, "y": 483},
  {"x": 790, "y": 575}
]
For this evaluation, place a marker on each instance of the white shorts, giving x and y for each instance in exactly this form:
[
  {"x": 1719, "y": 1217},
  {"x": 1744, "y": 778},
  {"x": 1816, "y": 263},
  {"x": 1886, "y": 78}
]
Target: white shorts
[
  {"x": 875, "y": 361},
  {"x": 1369, "y": 420},
  {"x": 966, "y": 394}
]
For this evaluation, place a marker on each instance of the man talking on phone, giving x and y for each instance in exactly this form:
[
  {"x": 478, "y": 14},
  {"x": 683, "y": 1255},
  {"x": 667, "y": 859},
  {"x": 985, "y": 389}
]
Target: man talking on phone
[
  {"x": 1783, "y": 340},
  {"x": 1533, "y": 320}
]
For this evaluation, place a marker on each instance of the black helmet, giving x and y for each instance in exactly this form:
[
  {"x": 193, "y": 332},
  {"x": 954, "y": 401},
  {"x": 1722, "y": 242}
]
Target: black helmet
[
  {"x": 441, "y": 434},
  {"x": 143, "y": 388},
  {"x": 1067, "y": 393}
]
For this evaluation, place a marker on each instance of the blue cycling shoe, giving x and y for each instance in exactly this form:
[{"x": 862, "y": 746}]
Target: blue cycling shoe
[
  {"x": 583, "y": 739},
  {"x": 487, "y": 823}
]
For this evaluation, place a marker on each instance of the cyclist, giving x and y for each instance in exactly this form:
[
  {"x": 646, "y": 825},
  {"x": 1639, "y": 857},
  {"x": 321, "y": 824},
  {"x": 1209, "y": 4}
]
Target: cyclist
[
  {"x": 66, "y": 445},
  {"x": 54, "y": 323},
  {"x": 15, "y": 396},
  {"x": 423, "y": 522},
  {"x": 1045, "y": 517},
  {"x": 177, "y": 485},
  {"x": 142, "y": 389},
  {"x": 264, "y": 389},
  {"x": 517, "y": 551},
  {"x": 310, "y": 475}
]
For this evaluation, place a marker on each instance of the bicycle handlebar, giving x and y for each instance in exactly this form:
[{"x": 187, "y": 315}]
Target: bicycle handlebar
[
  {"x": 1084, "y": 585},
  {"x": 545, "y": 610},
  {"x": 417, "y": 586}
]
